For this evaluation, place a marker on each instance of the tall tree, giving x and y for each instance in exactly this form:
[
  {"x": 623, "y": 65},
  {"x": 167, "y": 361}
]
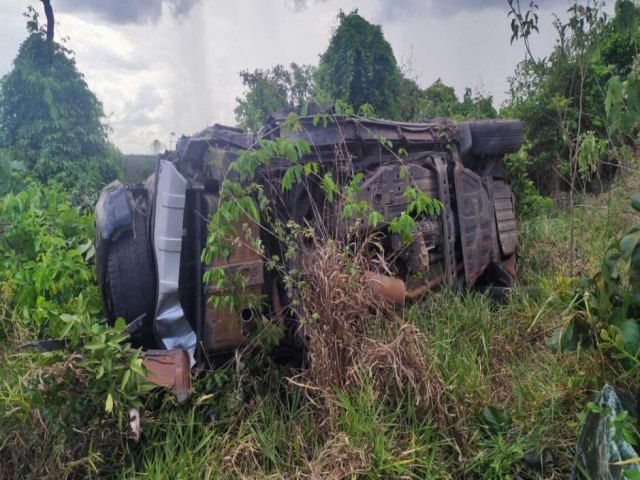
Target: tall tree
[
  {"x": 476, "y": 105},
  {"x": 49, "y": 119},
  {"x": 412, "y": 101},
  {"x": 271, "y": 90},
  {"x": 359, "y": 67},
  {"x": 441, "y": 99}
]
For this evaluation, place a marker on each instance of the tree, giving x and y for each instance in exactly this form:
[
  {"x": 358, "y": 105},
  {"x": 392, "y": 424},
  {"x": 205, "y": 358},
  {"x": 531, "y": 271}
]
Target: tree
[
  {"x": 619, "y": 50},
  {"x": 359, "y": 67},
  {"x": 560, "y": 98},
  {"x": 413, "y": 103},
  {"x": 50, "y": 120},
  {"x": 272, "y": 90},
  {"x": 157, "y": 146},
  {"x": 440, "y": 100},
  {"x": 476, "y": 105},
  {"x": 571, "y": 138}
]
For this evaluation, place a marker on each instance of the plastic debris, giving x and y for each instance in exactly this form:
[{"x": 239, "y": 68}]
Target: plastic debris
[{"x": 602, "y": 443}]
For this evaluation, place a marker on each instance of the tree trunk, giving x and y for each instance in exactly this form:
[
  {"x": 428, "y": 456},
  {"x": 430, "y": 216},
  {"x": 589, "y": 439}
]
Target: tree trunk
[{"x": 48, "y": 11}]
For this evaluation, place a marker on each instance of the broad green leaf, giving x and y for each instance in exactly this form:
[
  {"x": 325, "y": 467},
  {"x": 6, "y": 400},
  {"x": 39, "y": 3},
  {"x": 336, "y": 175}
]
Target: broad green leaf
[
  {"x": 108, "y": 404},
  {"x": 628, "y": 245},
  {"x": 628, "y": 473},
  {"x": 66, "y": 318},
  {"x": 94, "y": 345},
  {"x": 65, "y": 331},
  {"x": 613, "y": 98},
  {"x": 287, "y": 180},
  {"x": 125, "y": 379},
  {"x": 630, "y": 335},
  {"x": 497, "y": 418},
  {"x": 375, "y": 218},
  {"x": 84, "y": 247},
  {"x": 329, "y": 186}
]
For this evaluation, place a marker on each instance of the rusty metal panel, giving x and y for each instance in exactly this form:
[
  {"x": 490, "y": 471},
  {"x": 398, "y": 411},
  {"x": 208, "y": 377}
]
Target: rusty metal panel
[
  {"x": 505, "y": 217},
  {"x": 223, "y": 330},
  {"x": 169, "y": 369},
  {"x": 475, "y": 220},
  {"x": 448, "y": 220},
  {"x": 495, "y": 252},
  {"x": 360, "y": 129},
  {"x": 223, "y": 327},
  {"x": 424, "y": 133},
  {"x": 508, "y": 266},
  {"x": 385, "y": 188}
]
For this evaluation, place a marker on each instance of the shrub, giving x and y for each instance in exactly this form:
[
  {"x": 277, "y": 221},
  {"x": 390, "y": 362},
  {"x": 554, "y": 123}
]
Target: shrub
[
  {"x": 48, "y": 291},
  {"x": 529, "y": 202},
  {"x": 605, "y": 309}
]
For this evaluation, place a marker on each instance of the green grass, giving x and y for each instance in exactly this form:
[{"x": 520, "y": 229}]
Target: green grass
[{"x": 263, "y": 426}]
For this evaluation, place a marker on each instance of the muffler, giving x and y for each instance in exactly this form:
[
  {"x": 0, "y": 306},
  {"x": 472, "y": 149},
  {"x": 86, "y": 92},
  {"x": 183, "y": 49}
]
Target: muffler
[{"x": 390, "y": 288}]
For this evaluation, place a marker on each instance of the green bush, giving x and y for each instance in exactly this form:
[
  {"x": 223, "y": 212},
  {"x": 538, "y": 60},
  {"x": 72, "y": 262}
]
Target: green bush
[
  {"x": 604, "y": 310},
  {"x": 528, "y": 201},
  {"x": 44, "y": 249},
  {"x": 48, "y": 290}
]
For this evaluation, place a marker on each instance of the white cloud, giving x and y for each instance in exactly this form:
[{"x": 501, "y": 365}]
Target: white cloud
[
  {"x": 179, "y": 75},
  {"x": 127, "y": 11}
]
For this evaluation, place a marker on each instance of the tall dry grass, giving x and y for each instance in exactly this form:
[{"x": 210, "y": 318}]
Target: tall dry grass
[{"x": 355, "y": 337}]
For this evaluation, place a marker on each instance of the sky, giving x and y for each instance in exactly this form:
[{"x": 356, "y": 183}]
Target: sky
[{"x": 163, "y": 66}]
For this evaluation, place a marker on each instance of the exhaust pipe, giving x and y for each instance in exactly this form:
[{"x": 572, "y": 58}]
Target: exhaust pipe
[
  {"x": 246, "y": 315},
  {"x": 391, "y": 289}
]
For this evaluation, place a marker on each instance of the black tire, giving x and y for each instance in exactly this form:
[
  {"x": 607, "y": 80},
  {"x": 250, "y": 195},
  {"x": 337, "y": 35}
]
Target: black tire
[
  {"x": 130, "y": 280},
  {"x": 495, "y": 137}
]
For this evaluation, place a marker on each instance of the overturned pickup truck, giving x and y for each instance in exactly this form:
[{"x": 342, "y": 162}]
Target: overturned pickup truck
[{"x": 150, "y": 236}]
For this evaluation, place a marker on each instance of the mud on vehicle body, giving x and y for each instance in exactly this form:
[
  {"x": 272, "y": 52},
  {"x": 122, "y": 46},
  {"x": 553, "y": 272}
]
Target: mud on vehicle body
[{"x": 150, "y": 237}]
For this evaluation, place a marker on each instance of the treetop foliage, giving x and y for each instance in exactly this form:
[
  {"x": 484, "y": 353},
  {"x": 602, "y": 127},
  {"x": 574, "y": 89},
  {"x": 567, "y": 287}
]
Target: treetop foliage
[
  {"x": 49, "y": 119},
  {"x": 359, "y": 66},
  {"x": 561, "y": 97},
  {"x": 271, "y": 90}
]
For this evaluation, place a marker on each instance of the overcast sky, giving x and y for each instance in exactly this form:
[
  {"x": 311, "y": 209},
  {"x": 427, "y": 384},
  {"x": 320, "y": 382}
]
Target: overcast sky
[{"x": 162, "y": 66}]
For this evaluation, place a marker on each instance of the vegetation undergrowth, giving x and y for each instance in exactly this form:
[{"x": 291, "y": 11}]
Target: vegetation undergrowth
[
  {"x": 52, "y": 403},
  {"x": 507, "y": 394},
  {"x": 454, "y": 386}
]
